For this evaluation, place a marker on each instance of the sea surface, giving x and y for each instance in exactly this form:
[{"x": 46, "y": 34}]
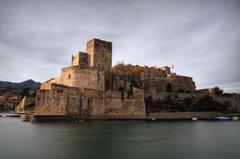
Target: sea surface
[{"x": 120, "y": 140}]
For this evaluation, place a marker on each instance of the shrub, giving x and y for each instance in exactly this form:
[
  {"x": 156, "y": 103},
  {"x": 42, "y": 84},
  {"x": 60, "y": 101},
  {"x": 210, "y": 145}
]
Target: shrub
[{"x": 205, "y": 103}]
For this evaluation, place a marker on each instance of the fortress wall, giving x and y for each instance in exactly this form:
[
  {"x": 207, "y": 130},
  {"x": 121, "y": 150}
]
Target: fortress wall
[
  {"x": 163, "y": 95},
  {"x": 100, "y": 54},
  {"x": 73, "y": 104},
  {"x": 234, "y": 100},
  {"x": 80, "y": 90},
  {"x": 114, "y": 105},
  {"x": 58, "y": 100},
  {"x": 153, "y": 73},
  {"x": 150, "y": 87},
  {"x": 224, "y": 99},
  {"x": 83, "y": 78},
  {"x": 136, "y": 105},
  {"x": 80, "y": 59},
  {"x": 110, "y": 104},
  {"x": 117, "y": 83},
  {"x": 176, "y": 95},
  {"x": 47, "y": 84},
  {"x": 64, "y": 100},
  {"x": 78, "y": 77},
  {"x": 50, "y": 102},
  {"x": 155, "y": 86},
  {"x": 75, "y": 60},
  {"x": 181, "y": 82},
  {"x": 177, "y": 83},
  {"x": 161, "y": 85}
]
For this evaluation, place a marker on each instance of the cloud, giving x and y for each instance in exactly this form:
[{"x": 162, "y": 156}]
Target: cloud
[{"x": 201, "y": 38}]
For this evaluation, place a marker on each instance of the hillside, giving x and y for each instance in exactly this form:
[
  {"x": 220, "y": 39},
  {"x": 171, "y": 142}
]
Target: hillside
[{"x": 15, "y": 88}]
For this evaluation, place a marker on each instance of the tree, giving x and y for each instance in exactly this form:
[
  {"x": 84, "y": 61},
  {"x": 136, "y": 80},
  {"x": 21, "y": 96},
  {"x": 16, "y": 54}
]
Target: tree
[
  {"x": 218, "y": 91},
  {"x": 207, "y": 103},
  {"x": 25, "y": 91},
  {"x": 34, "y": 94}
]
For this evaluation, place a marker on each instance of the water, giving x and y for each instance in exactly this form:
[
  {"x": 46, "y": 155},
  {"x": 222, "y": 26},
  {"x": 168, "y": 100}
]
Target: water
[{"x": 120, "y": 140}]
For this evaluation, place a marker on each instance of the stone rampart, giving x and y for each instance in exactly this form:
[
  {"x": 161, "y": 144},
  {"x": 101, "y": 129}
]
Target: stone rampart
[{"x": 64, "y": 100}]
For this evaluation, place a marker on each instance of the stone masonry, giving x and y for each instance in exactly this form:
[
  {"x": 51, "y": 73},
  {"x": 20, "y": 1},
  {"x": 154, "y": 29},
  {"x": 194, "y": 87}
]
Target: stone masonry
[
  {"x": 91, "y": 87},
  {"x": 81, "y": 88}
]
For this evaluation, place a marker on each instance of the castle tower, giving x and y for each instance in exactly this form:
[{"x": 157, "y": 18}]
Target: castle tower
[
  {"x": 80, "y": 59},
  {"x": 100, "y": 54}
]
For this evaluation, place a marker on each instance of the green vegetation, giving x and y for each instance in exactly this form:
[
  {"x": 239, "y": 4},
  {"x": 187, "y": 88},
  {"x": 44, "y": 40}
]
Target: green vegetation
[
  {"x": 218, "y": 91},
  {"x": 205, "y": 103},
  {"x": 26, "y": 92}
]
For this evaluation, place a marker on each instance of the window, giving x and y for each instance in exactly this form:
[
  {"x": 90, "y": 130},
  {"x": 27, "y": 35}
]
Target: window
[{"x": 69, "y": 76}]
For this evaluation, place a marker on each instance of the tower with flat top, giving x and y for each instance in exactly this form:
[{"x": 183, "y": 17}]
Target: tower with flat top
[{"x": 100, "y": 54}]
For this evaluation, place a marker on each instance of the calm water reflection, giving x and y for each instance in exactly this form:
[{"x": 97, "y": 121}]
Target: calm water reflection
[{"x": 120, "y": 140}]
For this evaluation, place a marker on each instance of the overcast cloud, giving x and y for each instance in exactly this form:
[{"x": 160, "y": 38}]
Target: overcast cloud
[{"x": 200, "y": 37}]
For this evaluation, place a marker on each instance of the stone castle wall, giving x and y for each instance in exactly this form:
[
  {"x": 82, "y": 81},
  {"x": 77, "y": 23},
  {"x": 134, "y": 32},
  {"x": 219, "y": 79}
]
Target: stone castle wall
[
  {"x": 156, "y": 79},
  {"x": 83, "y": 78},
  {"x": 234, "y": 100},
  {"x": 80, "y": 59},
  {"x": 47, "y": 84},
  {"x": 91, "y": 87},
  {"x": 177, "y": 84},
  {"x": 132, "y": 106},
  {"x": 100, "y": 54},
  {"x": 77, "y": 77},
  {"x": 63, "y": 100},
  {"x": 181, "y": 83}
]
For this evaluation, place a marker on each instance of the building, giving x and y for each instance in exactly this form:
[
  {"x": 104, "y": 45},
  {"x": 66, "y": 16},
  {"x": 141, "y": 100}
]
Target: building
[
  {"x": 91, "y": 87},
  {"x": 9, "y": 103},
  {"x": 154, "y": 80},
  {"x": 84, "y": 88}
]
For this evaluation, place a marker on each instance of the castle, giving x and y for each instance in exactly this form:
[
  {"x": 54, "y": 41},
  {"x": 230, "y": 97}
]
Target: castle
[{"x": 91, "y": 87}]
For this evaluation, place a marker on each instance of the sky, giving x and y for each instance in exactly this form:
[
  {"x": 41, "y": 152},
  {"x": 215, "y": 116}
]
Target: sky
[{"x": 201, "y": 38}]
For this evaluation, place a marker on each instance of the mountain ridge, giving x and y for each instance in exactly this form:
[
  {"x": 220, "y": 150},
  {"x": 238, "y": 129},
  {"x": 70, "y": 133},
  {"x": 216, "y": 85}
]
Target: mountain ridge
[{"x": 31, "y": 84}]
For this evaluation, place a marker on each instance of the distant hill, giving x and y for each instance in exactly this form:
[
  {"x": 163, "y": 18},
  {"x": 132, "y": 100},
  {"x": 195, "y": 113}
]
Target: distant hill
[{"x": 6, "y": 86}]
